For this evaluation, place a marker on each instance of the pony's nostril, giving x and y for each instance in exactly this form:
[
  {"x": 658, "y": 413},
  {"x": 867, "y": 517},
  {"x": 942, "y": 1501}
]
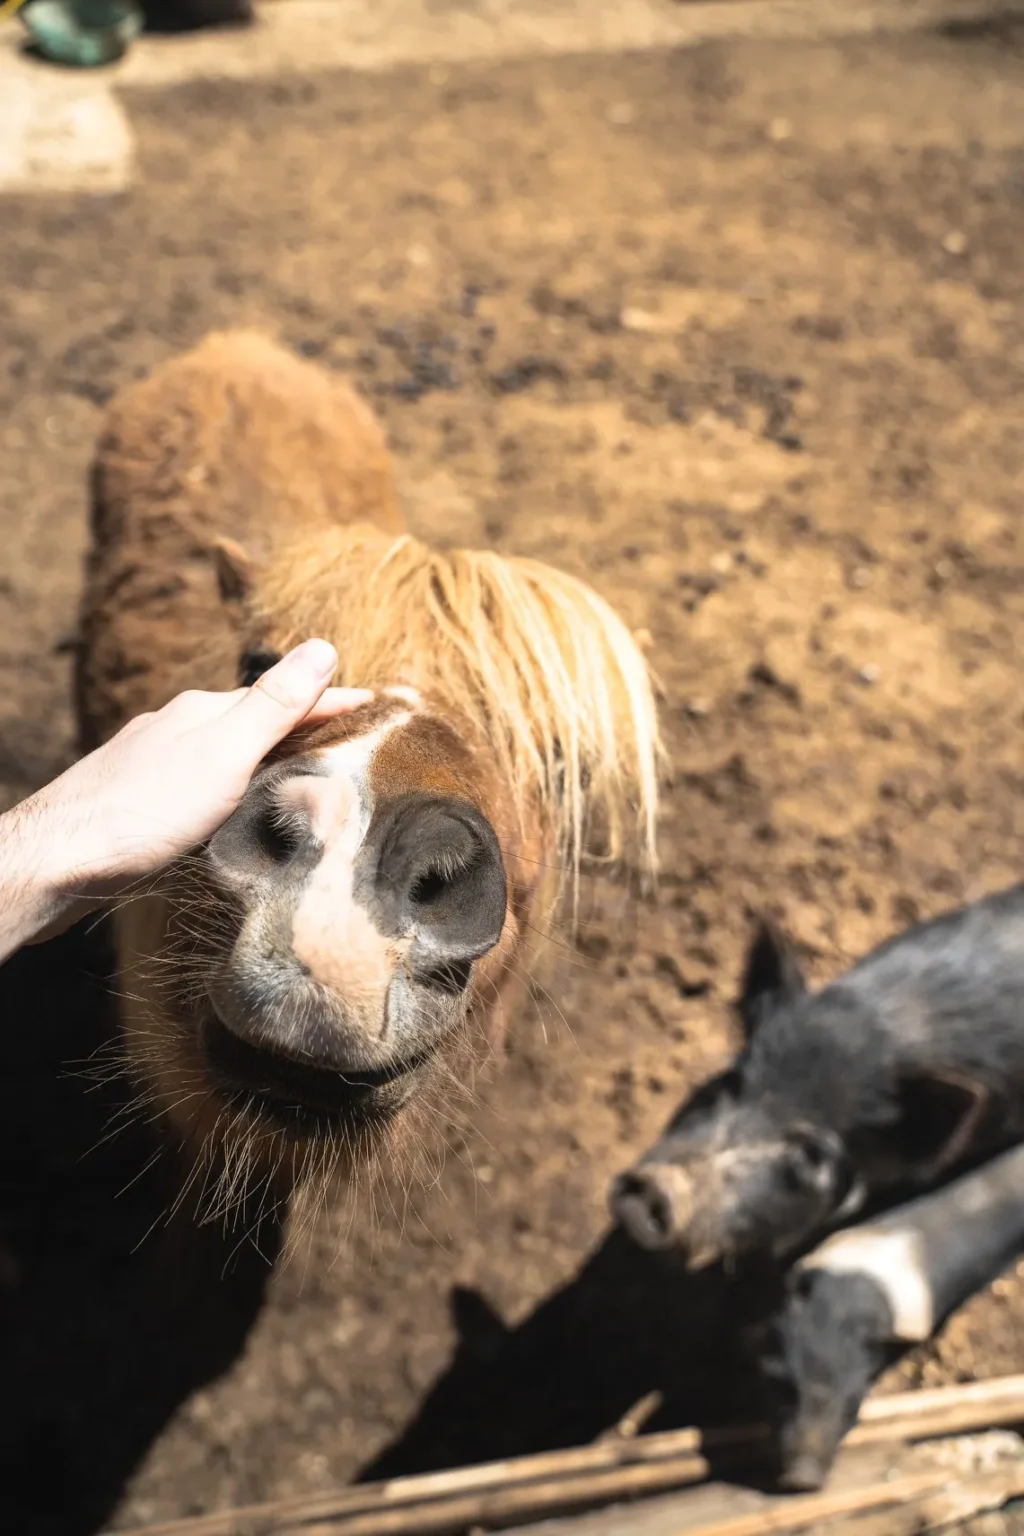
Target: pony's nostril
[
  {"x": 265, "y": 838},
  {"x": 279, "y": 834},
  {"x": 443, "y": 875},
  {"x": 430, "y": 887},
  {"x": 440, "y": 879}
]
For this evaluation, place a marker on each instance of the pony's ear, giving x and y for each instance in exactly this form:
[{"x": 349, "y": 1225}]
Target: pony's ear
[
  {"x": 772, "y": 976},
  {"x": 236, "y": 574},
  {"x": 235, "y": 568}
]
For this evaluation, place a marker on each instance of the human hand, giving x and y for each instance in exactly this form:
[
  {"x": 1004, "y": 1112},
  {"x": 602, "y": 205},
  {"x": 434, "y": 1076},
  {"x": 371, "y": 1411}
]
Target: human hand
[{"x": 163, "y": 784}]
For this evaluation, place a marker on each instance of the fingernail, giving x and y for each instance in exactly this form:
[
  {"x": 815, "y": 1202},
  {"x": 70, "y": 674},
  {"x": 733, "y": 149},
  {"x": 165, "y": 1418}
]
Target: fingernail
[{"x": 315, "y": 657}]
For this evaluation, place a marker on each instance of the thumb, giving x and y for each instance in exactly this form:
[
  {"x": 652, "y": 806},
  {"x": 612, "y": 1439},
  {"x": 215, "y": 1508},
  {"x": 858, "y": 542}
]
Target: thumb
[{"x": 282, "y": 697}]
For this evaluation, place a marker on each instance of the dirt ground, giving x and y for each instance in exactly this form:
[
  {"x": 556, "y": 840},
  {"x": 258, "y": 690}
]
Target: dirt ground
[{"x": 736, "y": 333}]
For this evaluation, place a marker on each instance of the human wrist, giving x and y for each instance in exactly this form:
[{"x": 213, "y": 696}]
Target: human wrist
[
  {"x": 67, "y": 836},
  {"x": 32, "y": 894}
]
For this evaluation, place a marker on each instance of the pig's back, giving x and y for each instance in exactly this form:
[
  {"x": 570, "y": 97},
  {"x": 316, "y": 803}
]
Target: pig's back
[{"x": 949, "y": 994}]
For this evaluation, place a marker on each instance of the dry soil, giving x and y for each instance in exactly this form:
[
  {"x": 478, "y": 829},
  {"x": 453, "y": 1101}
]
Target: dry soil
[{"x": 736, "y": 333}]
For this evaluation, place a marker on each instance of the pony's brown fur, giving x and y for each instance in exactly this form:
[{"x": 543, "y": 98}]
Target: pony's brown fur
[
  {"x": 242, "y": 497},
  {"x": 237, "y": 441}
]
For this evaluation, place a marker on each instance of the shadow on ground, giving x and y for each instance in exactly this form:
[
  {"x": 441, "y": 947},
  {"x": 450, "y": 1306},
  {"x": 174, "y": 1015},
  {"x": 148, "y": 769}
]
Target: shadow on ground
[
  {"x": 629, "y": 1324},
  {"x": 100, "y": 1338},
  {"x": 110, "y": 1317}
]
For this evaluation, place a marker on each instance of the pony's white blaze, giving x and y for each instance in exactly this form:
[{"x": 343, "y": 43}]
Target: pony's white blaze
[
  {"x": 410, "y": 696},
  {"x": 896, "y": 1260},
  {"x": 332, "y": 935},
  {"x": 337, "y": 800}
]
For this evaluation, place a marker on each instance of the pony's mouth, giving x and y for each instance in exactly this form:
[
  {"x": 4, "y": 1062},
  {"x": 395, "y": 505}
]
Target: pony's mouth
[{"x": 297, "y": 1095}]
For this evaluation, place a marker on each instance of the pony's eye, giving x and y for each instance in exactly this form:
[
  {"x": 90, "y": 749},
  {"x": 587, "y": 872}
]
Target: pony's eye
[{"x": 252, "y": 665}]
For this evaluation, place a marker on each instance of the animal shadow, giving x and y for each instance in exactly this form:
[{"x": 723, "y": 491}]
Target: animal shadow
[
  {"x": 630, "y": 1324},
  {"x": 109, "y": 1314}
]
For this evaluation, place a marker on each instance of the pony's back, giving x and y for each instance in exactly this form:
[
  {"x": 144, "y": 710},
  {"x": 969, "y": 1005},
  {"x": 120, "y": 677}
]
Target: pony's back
[{"x": 230, "y": 447}]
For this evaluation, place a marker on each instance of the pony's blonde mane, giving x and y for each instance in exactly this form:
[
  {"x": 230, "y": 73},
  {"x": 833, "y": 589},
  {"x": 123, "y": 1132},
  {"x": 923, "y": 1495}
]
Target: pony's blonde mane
[{"x": 528, "y": 662}]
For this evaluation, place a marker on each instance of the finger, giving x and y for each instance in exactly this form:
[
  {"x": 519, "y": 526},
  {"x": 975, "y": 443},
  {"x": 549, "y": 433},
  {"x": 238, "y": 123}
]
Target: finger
[
  {"x": 282, "y": 697},
  {"x": 337, "y": 701},
  {"x": 195, "y": 708}
]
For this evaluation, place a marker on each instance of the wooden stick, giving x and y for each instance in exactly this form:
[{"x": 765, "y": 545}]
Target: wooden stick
[
  {"x": 469, "y": 1504},
  {"x": 942, "y": 1503},
  {"x": 998, "y": 1393},
  {"x": 610, "y": 1468},
  {"x": 956, "y": 1410},
  {"x": 679, "y": 1448},
  {"x": 521, "y": 1502},
  {"x": 798, "y": 1513}
]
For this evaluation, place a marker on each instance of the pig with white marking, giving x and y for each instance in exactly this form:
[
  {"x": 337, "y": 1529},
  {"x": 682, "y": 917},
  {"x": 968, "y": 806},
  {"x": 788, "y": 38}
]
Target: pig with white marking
[
  {"x": 887, "y": 1081},
  {"x": 870, "y": 1289}
]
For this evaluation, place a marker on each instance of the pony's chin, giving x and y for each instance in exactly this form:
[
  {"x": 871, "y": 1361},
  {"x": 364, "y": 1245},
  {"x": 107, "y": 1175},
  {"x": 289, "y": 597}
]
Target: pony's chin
[{"x": 296, "y": 1097}]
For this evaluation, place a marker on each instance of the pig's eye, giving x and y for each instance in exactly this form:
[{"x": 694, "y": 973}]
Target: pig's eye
[
  {"x": 810, "y": 1160},
  {"x": 726, "y": 1085},
  {"x": 707, "y": 1100},
  {"x": 811, "y": 1151}
]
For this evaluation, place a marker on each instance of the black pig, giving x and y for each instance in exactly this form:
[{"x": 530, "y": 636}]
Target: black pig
[
  {"x": 892, "y": 1077},
  {"x": 871, "y": 1288}
]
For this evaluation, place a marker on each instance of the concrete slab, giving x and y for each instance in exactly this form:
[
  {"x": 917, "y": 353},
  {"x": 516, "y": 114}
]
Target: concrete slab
[{"x": 61, "y": 132}]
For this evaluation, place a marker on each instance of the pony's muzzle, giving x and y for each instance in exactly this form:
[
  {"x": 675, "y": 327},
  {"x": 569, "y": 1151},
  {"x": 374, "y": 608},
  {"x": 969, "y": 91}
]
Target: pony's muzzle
[{"x": 356, "y": 934}]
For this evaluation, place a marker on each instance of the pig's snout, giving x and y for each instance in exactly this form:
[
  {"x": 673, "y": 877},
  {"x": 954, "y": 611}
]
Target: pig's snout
[
  {"x": 808, "y": 1448},
  {"x": 806, "y": 1473},
  {"x": 654, "y": 1204}
]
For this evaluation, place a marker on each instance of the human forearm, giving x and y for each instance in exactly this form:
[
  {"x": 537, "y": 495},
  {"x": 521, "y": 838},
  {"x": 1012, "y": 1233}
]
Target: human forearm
[{"x": 33, "y": 897}]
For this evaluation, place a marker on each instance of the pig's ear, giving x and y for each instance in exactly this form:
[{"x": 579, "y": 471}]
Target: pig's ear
[
  {"x": 772, "y": 977},
  {"x": 939, "y": 1116}
]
